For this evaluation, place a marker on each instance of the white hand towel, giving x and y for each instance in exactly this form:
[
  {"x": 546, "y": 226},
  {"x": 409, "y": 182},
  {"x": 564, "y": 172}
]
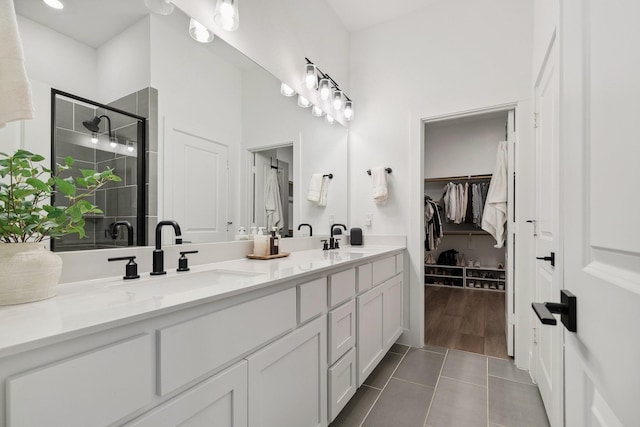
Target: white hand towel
[
  {"x": 15, "y": 90},
  {"x": 315, "y": 187},
  {"x": 323, "y": 191},
  {"x": 272, "y": 201},
  {"x": 379, "y": 184},
  {"x": 494, "y": 217}
]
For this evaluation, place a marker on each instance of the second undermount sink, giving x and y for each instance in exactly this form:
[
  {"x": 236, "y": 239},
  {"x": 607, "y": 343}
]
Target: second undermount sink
[{"x": 183, "y": 282}]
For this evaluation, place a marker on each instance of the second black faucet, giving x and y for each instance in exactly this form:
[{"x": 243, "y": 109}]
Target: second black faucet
[{"x": 158, "y": 253}]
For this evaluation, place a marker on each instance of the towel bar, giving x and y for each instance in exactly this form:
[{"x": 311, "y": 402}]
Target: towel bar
[{"x": 387, "y": 169}]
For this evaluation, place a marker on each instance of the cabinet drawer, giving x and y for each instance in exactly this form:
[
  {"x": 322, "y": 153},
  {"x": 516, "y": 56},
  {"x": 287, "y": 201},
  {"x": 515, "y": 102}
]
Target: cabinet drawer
[
  {"x": 191, "y": 349},
  {"x": 399, "y": 263},
  {"x": 342, "y": 286},
  {"x": 312, "y": 299},
  {"x": 342, "y": 383},
  {"x": 220, "y": 401},
  {"x": 364, "y": 278},
  {"x": 383, "y": 269},
  {"x": 93, "y": 389},
  {"x": 342, "y": 330}
]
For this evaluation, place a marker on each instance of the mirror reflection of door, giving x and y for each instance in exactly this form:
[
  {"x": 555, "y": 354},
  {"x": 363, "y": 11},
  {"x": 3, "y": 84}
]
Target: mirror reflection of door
[{"x": 273, "y": 190}]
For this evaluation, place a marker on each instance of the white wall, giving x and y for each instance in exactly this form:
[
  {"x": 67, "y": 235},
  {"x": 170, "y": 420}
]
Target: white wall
[
  {"x": 279, "y": 34},
  {"x": 210, "y": 109},
  {"x": 432, "y": 62},
  {"x": 124, "y": 62},
  {"x": 58, "y": 60}
]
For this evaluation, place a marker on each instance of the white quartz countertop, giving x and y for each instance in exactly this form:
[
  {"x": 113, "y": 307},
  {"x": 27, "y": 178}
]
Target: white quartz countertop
[{"x": 90, "y": 306}]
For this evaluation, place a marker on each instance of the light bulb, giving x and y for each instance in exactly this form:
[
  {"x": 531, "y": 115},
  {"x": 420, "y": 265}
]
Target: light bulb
[
  {"x": 56, "y": 4},
  {"x": 317, "y": 111},
  {"x": 337, "y": 99},
  {"x": 286, "y": 90},
  {"x": 329, "y": 119},
  {"x": 199, "y": 32},
  {"x": 94, "y": 137},
  {"x": 113, "y": 143},
  {"x": 227, "y": 14},
  {"x": 303, "y": 102},
  {"x": 310, "y": 79},
  {"x": 325, "y": 89},
  {"x": 348, "y": 110},
  {"x": 130, "y": 146}
]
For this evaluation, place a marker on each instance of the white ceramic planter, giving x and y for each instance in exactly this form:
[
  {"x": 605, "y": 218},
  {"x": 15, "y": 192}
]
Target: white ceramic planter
[{"x": 28, "y": 272}]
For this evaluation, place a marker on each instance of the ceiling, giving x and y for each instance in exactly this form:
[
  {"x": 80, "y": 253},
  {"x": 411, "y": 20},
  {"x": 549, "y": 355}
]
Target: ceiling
[{"x": 359, "y": 14}]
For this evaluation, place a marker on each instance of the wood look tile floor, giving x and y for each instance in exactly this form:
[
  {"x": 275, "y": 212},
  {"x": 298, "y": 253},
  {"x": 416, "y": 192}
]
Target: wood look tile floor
[
  {"x": 439, "y": 387},
  {"x": 465, "y": 319}
]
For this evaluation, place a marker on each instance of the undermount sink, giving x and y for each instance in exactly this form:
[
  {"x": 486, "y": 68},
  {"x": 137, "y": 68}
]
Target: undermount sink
[{"x": 182, "y": 282}]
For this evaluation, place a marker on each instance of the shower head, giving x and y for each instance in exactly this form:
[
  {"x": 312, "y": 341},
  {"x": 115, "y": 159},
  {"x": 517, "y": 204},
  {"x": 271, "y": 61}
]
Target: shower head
[{"x": 92, "y": 124}]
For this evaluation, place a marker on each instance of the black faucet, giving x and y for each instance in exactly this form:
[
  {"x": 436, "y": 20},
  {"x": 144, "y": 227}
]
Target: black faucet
[
  {"x": 158, "y": 253},
  {"x": 127, "y": 224},
  {"x": 310, "y": 228},
  {"x": 333, "y": 244}
]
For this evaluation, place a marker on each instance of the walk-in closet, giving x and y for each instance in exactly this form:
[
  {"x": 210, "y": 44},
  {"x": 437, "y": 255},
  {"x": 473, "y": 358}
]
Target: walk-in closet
[{"x": 469, "y": 185}]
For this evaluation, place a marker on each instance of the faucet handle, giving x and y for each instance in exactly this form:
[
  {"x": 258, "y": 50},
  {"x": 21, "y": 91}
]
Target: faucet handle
[
  {"x": 183, "y": 262},
  {"x": 325, "y": 245},
  {"x": 131, "y": 269},
  {"x": 337, "y": 245}
]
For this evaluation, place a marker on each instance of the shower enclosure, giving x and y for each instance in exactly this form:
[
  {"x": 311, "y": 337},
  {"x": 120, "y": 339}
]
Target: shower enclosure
[{"x": 98, "y": 136}]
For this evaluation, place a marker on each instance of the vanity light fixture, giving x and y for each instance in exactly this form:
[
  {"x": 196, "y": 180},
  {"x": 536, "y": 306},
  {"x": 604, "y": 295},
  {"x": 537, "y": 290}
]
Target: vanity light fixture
[
  {"x": 55, "y": 4},
  {"x": 324, "y": 88},
  {"x": 330, "y": 119},
  {"x": 227, "y": 15},
  {"x": 113, "y": 142},
  {"x": 317, "y": 111},
  {"x": 310, "y": 77},
  {"x": 348, "y": 110},
  {"x": 286, "y": 90},
  {"x": 303, "y": 102},
  {"x": 328, "y": 89},
  {"x": 161, "y": 7},
  {"x": 94, "y": 137},
  {"x": 199, "y": 32},
  {"x": 130, "y": 146}
]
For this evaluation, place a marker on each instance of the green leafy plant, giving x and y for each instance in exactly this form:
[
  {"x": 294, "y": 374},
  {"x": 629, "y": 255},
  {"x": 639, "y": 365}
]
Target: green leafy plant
[{"x": 26, "y": 187}]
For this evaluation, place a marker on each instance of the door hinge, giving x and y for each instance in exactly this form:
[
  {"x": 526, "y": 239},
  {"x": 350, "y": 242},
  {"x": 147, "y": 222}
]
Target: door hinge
[
  {"x": 535, "y": 120},
  {"x": 535, "y": 336}
]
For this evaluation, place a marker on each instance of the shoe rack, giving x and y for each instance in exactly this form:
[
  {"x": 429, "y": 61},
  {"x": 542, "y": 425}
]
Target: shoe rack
[{"x": 480, "y": 278}]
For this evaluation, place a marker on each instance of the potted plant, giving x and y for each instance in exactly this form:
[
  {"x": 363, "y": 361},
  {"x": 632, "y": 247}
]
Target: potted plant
[{"x": 28, "y": 270}]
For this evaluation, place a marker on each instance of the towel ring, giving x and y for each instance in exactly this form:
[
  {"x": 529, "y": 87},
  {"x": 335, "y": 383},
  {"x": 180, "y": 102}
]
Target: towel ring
[
  {"x": 387, "y": 169},
  {"x": 329, "y": 175}
]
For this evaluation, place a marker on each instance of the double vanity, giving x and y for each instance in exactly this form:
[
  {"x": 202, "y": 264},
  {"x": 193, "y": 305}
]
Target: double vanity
[{"x": 283, "y": 342}]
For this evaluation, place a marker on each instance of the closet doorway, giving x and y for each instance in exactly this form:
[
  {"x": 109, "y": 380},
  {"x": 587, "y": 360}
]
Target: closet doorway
[{"x": 468, "y": 281}]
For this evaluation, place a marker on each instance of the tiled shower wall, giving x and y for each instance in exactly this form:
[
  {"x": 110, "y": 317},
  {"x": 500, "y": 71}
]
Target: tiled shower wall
[{"x": 117, "y": 200}]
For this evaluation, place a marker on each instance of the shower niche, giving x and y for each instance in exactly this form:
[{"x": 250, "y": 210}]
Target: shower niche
[{"x": 98, "y": 136}]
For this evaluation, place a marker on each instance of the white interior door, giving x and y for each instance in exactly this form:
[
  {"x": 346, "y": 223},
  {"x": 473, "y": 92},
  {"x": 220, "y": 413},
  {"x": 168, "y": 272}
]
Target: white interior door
[
  {"x": 509, "y": 305},
  {"x": 547, "y": 349},
  {"x": 600, "y": 176},
  {"x": 200, "y": 187}
]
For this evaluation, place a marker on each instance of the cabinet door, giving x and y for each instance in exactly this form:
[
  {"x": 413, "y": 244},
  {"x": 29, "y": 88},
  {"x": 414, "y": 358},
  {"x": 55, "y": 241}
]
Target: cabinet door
[
  {"x": 342, "y": 330},
  {"x": 220, "y": 401},
  {"x": 392, "y": 311},
  {"x": 288, "y": 379},
  {"x": 342, "y": 383},
  {"x": 370, "y": 340}
]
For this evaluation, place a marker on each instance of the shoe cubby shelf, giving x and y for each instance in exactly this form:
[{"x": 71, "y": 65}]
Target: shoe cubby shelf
[{"x": 482, "y": 278}]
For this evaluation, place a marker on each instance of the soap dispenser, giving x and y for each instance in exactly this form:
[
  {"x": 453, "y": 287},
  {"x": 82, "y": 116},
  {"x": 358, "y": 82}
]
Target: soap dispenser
[
  {"x": 274, "y": 242},
  {"x": 261, "y": 243}
]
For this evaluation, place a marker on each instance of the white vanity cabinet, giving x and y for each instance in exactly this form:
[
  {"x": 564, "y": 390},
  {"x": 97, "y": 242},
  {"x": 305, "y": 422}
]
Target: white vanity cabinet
[
  {"x": 379, "y": 317},
  {"x": 287, "y": 379},
  {"x": 219, "y": 401}
]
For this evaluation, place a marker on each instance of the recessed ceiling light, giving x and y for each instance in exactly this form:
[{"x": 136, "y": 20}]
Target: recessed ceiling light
[{"x": 56, "y": 4}]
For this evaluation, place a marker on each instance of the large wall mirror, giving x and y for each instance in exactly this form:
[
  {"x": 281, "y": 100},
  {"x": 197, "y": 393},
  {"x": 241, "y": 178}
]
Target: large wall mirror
[{"x": 209, "y": 110}]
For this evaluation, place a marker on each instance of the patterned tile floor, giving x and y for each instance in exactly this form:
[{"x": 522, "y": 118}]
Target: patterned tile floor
[{"x": 439, "y": 387}]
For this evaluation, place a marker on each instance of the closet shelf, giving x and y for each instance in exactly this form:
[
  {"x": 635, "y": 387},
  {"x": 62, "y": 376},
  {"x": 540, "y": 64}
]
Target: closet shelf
[
  {"x": 464, "y": 233},
  {"x": 458, "y": 178}
]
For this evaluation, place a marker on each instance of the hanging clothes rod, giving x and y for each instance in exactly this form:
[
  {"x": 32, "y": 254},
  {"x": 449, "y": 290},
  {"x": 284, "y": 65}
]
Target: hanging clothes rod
[
  {"x": 329, "y": 175},
  {"x": 458, "y": 178},
  {"x": 387, "y": 169}
]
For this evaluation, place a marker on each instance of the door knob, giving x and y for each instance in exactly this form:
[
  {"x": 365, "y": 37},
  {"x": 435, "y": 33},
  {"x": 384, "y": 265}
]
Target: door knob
[
  {"x": 567, "y": 308},
  {"x": 551, "y": 258}
]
